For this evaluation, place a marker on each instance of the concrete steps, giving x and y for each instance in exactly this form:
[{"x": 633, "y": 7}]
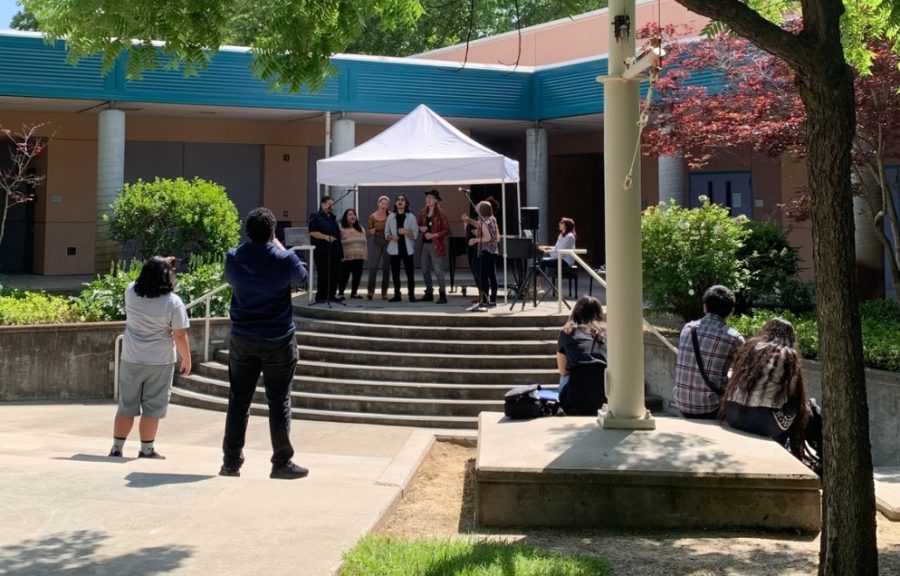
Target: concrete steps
[{"x": 400, "y": 368}]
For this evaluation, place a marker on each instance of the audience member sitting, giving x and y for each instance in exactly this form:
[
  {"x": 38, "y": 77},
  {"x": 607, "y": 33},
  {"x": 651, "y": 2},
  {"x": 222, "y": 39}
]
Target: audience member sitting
[
  {"x": 701, "y": 372},
  {"x": 581, "y": 359},
  {"x": 766, "y": 394},
  {"x": 565, "y": 241}
]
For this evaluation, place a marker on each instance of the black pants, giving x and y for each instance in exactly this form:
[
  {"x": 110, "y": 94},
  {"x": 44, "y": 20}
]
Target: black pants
[
  {"x": 705, "y": 416},
  {"x": 410, "y": 273},
  {"x": 328, "y": 270},
  {"x": 351, "y": 268},
  {"x": 474, "y": 266},
  {"x": 246, "y": 359},
  {"x": 488, "y": 276}
]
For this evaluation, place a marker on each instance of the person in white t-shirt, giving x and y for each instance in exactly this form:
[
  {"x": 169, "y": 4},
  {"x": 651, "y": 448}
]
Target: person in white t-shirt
[{"x": 155, "y": 327}]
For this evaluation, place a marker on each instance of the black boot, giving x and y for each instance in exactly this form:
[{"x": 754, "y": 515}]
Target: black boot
[
  {"x": 396, "y": 298},
  {"x": 429, "y": 296},
  {"x": 442, "y": 298}
]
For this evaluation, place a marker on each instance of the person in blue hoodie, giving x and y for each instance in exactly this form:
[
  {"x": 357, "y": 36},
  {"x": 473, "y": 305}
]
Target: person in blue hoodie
[{"x": 261, "y": 273}]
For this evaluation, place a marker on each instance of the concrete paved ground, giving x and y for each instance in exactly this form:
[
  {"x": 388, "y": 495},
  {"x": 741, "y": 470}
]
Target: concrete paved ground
[{"x": 68, "y": 509}]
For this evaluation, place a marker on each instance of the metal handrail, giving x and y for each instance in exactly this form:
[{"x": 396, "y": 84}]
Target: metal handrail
[
  {"x": 574, "y": 254},
  {"x": 207, "y": 298}
]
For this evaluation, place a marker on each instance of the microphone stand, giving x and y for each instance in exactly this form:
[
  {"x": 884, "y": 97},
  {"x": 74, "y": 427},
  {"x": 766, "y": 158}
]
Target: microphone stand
[{"x": 481, "y": 290}]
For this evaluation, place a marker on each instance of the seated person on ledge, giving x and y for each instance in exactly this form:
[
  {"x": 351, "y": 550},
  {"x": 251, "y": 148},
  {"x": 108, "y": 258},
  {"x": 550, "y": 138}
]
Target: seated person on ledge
[
  {"x": 700, "y": 375},
  {"x": 565, "y": 241},
  {"x": 581, "y": 359},
  {"x": 766, "y": 394}
]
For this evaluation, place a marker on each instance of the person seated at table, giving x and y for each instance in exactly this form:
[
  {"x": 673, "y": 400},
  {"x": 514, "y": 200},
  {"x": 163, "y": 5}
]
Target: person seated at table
[
  {"x": 581, "y": 359},
  {"x": 565, "y": 241},
  {"x": 766, "y": 394}
]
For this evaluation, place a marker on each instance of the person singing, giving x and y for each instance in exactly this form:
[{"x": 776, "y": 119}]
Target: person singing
[
  {"x": 434, "y": 226},
  {"x": 401, "y": 232}
]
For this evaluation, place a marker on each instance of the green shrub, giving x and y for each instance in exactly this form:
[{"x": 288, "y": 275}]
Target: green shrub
[
  {"x": 175, "y": 217},
  {"x": 37, "y": 308},
  {"x": 772, "y": 264},
  {"x": 685, "y": 251},
  {"x": 880, "y": 331},
  {"x": 202, "y": 279},
  {"x": 103, "y": 299}
]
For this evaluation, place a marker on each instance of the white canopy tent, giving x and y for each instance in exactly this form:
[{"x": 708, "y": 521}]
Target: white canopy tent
[{"x": 422, "y": 149}]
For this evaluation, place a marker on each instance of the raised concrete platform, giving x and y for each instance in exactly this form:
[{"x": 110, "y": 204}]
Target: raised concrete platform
[
  {"x": 569, "y": 472},
  {"x": 887, "y": 492}
]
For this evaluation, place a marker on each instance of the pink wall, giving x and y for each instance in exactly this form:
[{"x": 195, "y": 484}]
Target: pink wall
[{"x": 582, "y": 36}]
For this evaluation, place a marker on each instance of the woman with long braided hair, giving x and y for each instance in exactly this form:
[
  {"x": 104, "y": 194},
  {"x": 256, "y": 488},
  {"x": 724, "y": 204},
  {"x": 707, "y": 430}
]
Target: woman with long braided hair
[{"x": 766, "y": 394}]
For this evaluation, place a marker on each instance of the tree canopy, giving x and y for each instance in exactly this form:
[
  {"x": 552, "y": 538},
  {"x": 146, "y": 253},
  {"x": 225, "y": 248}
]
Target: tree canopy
[{"x": 291, "y": 40}]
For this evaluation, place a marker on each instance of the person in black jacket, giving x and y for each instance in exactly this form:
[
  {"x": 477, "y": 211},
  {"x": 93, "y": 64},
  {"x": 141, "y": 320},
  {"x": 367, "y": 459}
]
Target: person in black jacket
[
  {"x": 326, "y": 237},
  {"x": 581, "y": 359}
]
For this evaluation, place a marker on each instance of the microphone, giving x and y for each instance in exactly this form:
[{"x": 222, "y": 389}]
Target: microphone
[{"x": 466, "y": 190}]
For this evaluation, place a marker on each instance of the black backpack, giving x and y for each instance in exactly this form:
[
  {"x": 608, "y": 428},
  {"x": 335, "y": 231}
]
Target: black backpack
[{"x": 524, "y": 402}]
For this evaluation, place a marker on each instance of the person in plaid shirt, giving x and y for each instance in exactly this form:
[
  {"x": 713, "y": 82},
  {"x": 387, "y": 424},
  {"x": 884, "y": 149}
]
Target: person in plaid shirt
[{"x": 718, "y": 345}]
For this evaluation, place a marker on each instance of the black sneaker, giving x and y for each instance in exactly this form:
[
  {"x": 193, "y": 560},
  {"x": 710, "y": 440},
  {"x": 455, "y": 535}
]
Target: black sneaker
[
  {"x": 442, "y": 299},
  {"x": 227, "y": 470},
  {"x": 428, "y": 297},
  {"x": 288, "y": 471},
  {"x": 396, "y": 298},
  {"x": 152, "y": 454},
  {"x": 115, "y": 453},
  {"x": 491, "y": 304}
]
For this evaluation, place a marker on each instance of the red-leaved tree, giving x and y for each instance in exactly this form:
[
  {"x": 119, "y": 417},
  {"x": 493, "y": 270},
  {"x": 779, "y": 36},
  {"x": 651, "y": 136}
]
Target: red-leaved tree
[
  {"x": 725, "y": 93},
  {"x": 18, "y": 177}
]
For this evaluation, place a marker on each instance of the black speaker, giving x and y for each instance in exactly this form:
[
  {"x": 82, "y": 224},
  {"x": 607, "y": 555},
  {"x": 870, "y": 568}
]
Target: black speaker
[{"x": 530, "y": 217}]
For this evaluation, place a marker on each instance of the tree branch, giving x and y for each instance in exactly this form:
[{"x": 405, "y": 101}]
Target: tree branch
[{"x": 748, "y": 23}]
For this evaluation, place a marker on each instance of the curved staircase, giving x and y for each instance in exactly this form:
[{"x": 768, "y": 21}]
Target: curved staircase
[{"x": 401, "y": 368}]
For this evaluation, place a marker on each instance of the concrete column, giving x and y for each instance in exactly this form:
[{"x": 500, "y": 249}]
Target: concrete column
[
  {"x": 343, "y": 138},
  {"x": 537, "y": 162},
  {"x": 110, "y": 180},
  {"x": 624, "y": 293},
  {"x": 672, "y": 179},
  {"x": 869, "y": 251}
]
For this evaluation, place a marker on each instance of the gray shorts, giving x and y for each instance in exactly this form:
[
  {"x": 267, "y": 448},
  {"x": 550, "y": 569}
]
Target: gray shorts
[{"x": 144, "y": 389}]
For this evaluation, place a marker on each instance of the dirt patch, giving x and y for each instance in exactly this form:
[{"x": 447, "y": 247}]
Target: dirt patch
[{"x": 439, "y": 503}]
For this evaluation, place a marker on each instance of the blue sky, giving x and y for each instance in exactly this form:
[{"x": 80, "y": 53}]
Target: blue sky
[{"x": 7, "y": 9}]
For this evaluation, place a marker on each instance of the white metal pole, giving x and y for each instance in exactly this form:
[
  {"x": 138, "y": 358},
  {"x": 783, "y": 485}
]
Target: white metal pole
[
  {"x": 519, "y": 206},
  {"x": 624, "y": 294},
  {"x": 503, "y": 198}
]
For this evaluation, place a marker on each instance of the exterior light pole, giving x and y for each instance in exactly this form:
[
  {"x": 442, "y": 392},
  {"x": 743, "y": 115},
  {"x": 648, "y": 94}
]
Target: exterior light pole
[{"x": 622, "y": 171}]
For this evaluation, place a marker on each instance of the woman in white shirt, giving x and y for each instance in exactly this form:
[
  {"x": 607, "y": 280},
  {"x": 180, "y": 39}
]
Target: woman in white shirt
[
  {"x": 401, "y": 230},
  {"x": 565, "y": 241}
]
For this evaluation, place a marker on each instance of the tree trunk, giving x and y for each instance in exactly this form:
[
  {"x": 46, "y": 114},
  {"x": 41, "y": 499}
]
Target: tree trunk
[{"x": 848, "y": 543}]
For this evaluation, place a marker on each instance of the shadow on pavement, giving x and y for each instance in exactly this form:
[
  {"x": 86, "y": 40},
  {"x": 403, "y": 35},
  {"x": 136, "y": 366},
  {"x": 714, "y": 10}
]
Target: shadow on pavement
[{"x": 153, "y": 479}]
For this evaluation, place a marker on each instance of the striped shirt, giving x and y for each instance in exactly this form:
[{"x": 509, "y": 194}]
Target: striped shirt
[{"x": 718, "y": 345}]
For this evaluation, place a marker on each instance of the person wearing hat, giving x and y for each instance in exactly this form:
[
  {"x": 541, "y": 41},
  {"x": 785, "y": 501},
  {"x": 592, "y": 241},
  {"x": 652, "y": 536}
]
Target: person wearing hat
[{"x": 434, "y": 226}]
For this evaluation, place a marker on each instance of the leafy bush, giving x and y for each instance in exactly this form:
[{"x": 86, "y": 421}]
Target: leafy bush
[
  {"x": 685, "y": 251},
  {"x": 103, "y": 299},
  {"x": 880, "y": 331},
  {"x": 772, "y": 264},
  {"x": 175, "y": 217},
  {"x": 36, "y": 308}
]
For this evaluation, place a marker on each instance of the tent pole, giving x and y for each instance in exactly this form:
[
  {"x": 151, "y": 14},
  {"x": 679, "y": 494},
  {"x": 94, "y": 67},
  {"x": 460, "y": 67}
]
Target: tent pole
[
  {"x": 356, "y": 200},
  {"x": 503, "y": 197},
  {"x": 519, "y": 206}
]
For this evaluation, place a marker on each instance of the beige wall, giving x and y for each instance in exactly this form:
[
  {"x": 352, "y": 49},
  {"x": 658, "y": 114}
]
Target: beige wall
[
  {"x": 284, "y": 182},
  {"x": 563, "y": 40}
]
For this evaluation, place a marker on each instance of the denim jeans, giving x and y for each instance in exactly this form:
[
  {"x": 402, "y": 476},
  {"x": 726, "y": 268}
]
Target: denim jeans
[
  {"x": 431, "y": 261},
  {"x": 276, "y": 360}
]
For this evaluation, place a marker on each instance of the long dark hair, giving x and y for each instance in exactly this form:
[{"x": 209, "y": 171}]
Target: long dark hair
[
  {"x": 346, "y": 223},
  {"x": 405, "y": 203},
  {"x": 756, "y": 364},
  {"x": 568, "y": 226},
  {"x": 587, "y": 315},
  {"x": 156, "y": 278}
]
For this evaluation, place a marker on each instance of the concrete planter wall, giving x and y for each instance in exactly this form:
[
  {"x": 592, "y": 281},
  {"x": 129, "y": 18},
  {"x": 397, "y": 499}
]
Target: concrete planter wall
[
  {"x": 71, "y": 361},
  {"x": 883, "y": 391}
]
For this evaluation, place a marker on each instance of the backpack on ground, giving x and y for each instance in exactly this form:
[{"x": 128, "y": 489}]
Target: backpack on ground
[{"x": 525, "y": 402}]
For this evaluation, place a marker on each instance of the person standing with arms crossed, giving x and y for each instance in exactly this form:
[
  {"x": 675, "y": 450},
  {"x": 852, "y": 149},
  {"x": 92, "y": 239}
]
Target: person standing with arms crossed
[
  {"x": 378, "y": 255},
  {"x": 261, "y": 273},
  {"x": 434, "y": 226}
]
